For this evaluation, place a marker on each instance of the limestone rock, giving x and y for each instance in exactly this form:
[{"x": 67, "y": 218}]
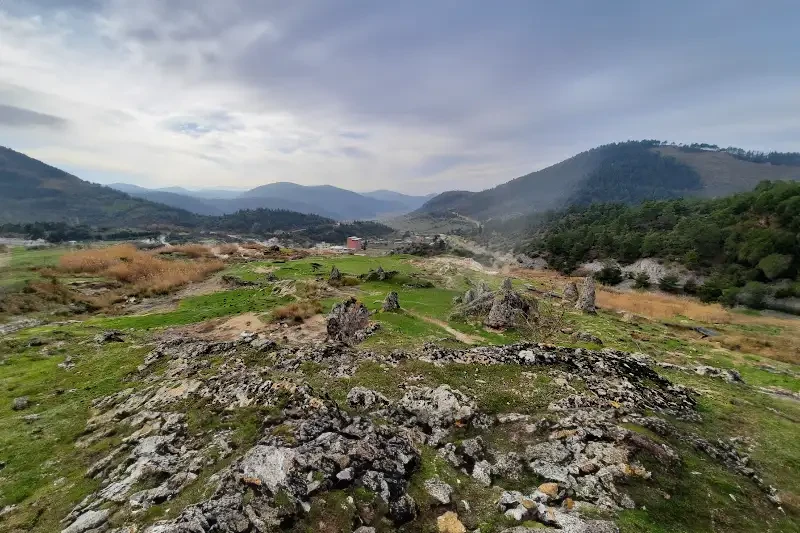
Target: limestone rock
[
  {"x": 20, "y": 403},
  {"x": 86, "y": 521},
  {"x": 585, "y": 302},
  {"x": 109, "y": 336},
  {"x": 507, "y": 310},
  {"x": 441, "y": 407},
  {"x": 348, "y": 322},
  {"x": 391, "y": 303},
  {"x": 585, "y": 336},
  {"x": 335, "y": 275},
  {"x": 449, "y": 523},
  {"x": 438, "y": 490},
  {"x": 570, "y": 295},
  {"x": 364, "y": 398}
]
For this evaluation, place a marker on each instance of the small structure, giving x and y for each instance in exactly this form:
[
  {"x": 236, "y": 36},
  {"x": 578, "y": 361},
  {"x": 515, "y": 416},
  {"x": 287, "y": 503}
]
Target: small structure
[{"x": 355, "y": 243}]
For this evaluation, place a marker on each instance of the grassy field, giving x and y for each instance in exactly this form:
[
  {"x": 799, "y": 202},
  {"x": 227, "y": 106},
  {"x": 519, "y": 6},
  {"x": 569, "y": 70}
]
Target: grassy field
[
  {"x": 44, "y": 470},
  {"x": 22, "y": 264}
]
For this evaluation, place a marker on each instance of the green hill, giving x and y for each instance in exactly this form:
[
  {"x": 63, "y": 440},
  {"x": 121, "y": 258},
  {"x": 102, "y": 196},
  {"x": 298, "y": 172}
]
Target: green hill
[{"x": 628, "y": 172}]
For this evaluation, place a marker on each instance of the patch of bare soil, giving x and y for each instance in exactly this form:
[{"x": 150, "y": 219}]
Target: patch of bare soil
[
  {"x": 5, "y": 259},
  {"x": 459, "y": 335},
  {"x": 310, "y": 330}
]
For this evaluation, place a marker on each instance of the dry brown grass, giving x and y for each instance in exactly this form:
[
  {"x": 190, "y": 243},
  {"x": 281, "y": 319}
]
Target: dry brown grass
[
  {"x": 144, "y": 271},
  {"x": 227, "y": 249},
  {"x": 193, "y": 251},
  {"x": 662, "y": 306},
  {"x": 297, "y": 311}
]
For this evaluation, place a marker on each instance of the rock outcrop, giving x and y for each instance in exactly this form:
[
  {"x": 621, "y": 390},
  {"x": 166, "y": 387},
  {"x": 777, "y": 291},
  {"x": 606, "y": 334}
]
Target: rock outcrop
[
  {"x": 391, "y": 303},
  {"x": 348, "y": 322}
]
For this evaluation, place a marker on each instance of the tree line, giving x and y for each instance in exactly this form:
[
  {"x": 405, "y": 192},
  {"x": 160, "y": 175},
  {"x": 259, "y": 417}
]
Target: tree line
[{"x": 745, "y": 241}]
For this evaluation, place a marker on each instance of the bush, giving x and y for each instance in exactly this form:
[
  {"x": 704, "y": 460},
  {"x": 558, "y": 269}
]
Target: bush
[
  {"x": 669, "y": 283},
  {"x": 609, "y": 275},
  {"x": 297, "y": 311},
  {"x": 753, "y": 295},
  {"x": 775, "y": 266},
  {"x": 729, "y": 297},
  {"x": 641, "y": 281},
  {"x": 691, "y": 287}
]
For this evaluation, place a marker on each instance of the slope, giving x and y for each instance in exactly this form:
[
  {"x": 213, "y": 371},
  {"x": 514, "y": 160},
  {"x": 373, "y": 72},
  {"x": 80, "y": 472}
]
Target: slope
[
  {"x": 628, "y": 172},
  {"x": 33, "y": 191}
]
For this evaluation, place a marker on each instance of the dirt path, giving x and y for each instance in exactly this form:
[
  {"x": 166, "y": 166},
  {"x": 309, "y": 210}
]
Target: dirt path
[{"x": 461, "y": 336}]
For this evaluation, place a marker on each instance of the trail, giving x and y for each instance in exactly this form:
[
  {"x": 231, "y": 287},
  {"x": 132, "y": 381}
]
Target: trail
[{"x": 461, "y": 336}]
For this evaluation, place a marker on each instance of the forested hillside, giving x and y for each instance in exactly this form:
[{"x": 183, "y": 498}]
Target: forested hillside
[
  {"x": 745, "y": 238},
  {"x": 627, "y": 172}
]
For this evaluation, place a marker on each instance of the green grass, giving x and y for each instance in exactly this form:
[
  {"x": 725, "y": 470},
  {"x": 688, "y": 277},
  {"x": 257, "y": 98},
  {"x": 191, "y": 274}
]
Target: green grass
[
  {"x": 24, "y": 264},
  {"x": 44, "y": 469},
  {"x": 197, "y": 309}
]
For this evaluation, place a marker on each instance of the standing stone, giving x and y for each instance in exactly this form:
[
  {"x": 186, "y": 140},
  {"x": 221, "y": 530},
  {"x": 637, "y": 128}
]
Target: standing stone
[
  {"x": 507, "y": 286},
  {"x": 586, "y": 299},
  {"x": 570, "y": 293},
  {"x": 348, "y": 322},
  {"x": 391, "y": 303},
  {"x": 335, "y": 274}
]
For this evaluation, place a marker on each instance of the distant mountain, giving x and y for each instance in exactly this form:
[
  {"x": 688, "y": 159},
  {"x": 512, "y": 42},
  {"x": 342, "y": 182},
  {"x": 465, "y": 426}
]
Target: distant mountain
[
  {"x": 172, "y": 199},
  {"x": 627, "y": 172},
  {"x": 32, "y": 192},
  {"x": 410, "y": 203},
  {"x": 346, "y": 205},
  {"x": 325, "y": 200}
]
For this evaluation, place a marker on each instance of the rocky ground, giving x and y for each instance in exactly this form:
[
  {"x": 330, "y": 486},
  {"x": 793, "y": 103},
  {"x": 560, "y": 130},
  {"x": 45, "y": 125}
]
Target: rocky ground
[
  {"x": 569, "y": 465},
  {"x": 368, "y": 428}
]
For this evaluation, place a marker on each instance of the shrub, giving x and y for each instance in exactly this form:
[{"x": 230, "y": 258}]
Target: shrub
[
  {"x": 297, "y": 311},
  {"x": 691, "y": 287},
  {"x": 228, "y": 249},
  {"x": 668, "y": 283},
  {"x": 775, "y": 266},
  {"x": 609, "y": 275},
  {"x": 753, "y": 294},
  {"x": 641, "y": 281}
]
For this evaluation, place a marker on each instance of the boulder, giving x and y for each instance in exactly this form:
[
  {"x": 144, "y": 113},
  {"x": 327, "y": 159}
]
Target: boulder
[
  {"x": 570, "y": 295},
  {"x": 449, "y": 523},
  {"x": 109, "y": 336},
  {"x": 363, "y": 398},
  {"x": 348, "y": 322},
  {"x": 20, "y": 403},
  {"x": 88, "y": 520},
  {"x": 438, "y": 490},
  {"x": 441, "y": 407},
  {"x": 585, "y": 302},
  {"x": 391, "y": 303},
  {"x": 585, "y": 336}
]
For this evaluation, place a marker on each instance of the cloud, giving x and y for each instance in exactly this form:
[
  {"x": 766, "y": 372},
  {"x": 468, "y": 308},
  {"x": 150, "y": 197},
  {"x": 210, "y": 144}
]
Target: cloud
[
  {"x": 415, "y": 96},
  {"x": 19, "y": 117}
]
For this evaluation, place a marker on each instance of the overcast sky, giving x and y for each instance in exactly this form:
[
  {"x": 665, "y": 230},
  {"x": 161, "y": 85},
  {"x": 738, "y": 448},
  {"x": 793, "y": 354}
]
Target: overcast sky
[{"x": 415, "y": 96}]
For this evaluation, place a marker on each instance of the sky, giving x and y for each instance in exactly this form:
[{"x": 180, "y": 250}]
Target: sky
[{"x": 417, "y": 96}]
